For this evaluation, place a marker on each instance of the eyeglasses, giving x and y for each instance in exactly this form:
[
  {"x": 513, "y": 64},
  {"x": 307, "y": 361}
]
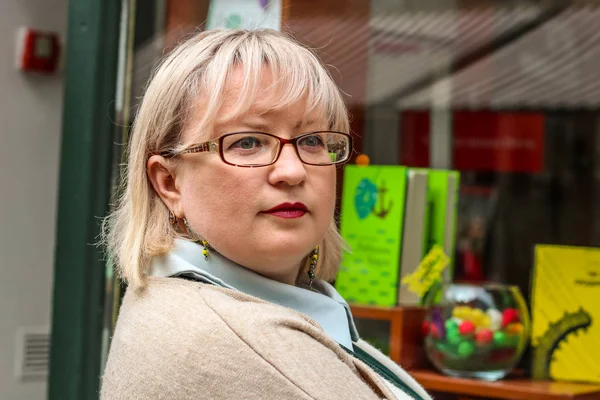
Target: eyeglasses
[{"x": 259, "y": 149}]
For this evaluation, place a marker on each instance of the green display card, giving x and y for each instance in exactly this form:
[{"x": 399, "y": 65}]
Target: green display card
[{"x": 371, "y": 222}]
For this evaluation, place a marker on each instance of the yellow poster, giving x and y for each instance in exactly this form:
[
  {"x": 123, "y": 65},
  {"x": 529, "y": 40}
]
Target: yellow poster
[{"x": 566, "y": 313}]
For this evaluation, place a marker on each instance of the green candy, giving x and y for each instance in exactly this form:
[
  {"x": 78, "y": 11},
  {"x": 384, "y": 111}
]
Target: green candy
[
  {"x": 451, "y": 325},
  {"x": 453, "y": 337},
  {"x": 466, "y": 348},
  {"x": 500, "y": 338}
]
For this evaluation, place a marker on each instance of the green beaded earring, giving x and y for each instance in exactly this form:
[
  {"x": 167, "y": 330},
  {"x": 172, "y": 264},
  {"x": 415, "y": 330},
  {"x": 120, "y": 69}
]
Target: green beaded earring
[
  {"x": 197, "y": 238},
  {"x": 314, "y": 257}
]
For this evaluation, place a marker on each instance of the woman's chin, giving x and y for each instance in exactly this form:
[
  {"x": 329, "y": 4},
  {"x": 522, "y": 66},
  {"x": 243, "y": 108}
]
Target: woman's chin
[
  {"x": 289, "y": 244},
  {"x": 287, "y": 252}
]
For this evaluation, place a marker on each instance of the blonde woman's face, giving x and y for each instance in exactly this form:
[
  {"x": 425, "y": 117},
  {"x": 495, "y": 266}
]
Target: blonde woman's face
[{"x": 267, "y": 218}]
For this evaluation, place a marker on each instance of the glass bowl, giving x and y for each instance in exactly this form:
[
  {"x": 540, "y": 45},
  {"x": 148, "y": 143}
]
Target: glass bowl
[{"x": 476, "y": 331}]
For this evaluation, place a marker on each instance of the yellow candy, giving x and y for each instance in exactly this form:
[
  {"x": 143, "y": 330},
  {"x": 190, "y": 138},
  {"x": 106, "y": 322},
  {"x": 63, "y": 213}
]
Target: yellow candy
[
  {"x": 480, "y": 315},
  {"x": 486, "y": 321},
  {"x": 475, "y": 315},
  {"x": 462, "y": 312}
]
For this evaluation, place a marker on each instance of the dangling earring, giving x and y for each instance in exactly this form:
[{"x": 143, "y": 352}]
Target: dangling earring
[
  {"x": 197, "y": 238},
  {"x": 172, "y": 218},
  {"x": 314, "y": 257}
]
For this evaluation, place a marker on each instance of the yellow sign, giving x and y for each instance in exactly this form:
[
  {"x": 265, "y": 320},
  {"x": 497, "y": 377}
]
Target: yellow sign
[
  {"x": 566, "y": 313},
  {"x": 428, "y": 272}
]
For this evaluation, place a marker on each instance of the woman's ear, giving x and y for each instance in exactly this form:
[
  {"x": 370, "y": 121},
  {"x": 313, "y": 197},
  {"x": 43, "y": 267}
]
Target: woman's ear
[{"x": 162, "y": 176}]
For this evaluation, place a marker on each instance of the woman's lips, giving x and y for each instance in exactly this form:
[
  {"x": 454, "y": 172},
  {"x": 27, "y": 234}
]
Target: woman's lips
[
  {"x": 287, "y": 210},
  {"x": 288, "y": 213}
]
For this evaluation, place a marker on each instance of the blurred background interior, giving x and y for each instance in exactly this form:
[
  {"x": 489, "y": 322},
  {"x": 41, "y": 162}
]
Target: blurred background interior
[{"x": 506, "y": 92}]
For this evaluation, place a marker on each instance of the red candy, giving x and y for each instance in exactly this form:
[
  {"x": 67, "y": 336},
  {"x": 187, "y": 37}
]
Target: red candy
[
  {"x": 434, "y": 331},
  {"x": 484, "y": 336},
  {"x": 425, "y": 328},
  {"x": 509, "y": 315},
  {"x": 466, "y": 328}
]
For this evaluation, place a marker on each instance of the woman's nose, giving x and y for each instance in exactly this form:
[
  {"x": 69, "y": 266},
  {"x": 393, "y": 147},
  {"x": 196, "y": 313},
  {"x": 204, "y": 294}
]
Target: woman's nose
[{"x": 288, "y": 168}]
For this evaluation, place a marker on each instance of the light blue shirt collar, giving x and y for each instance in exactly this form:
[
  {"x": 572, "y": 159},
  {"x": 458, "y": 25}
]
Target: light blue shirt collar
[{"x": 326, "y": 307}]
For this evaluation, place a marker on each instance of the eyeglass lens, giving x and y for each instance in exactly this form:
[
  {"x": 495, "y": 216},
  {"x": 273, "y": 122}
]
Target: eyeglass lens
[{"x": 255, "y": 149}]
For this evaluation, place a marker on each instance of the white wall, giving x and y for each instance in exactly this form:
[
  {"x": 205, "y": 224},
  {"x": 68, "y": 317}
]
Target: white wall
[{"x": 30, "y": 130}]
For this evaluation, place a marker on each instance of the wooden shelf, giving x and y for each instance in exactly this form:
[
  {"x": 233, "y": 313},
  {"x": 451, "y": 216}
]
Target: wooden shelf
[
  {"x": 383, "y": 313},
  {"x": 406, "y": 333},
  {"x": 514, "y": 388}
]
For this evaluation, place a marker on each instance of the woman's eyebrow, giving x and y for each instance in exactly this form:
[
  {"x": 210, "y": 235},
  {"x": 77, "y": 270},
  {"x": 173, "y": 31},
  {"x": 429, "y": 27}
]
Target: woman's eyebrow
[
  {"x": 253, "y": 126},
  {"x": 257, "y": 126},
  {"x": 261, "y": 127},
  {"x": 300, "y": 124}
]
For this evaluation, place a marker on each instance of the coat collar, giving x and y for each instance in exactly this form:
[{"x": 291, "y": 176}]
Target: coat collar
[{"x": 325, "y": 306}]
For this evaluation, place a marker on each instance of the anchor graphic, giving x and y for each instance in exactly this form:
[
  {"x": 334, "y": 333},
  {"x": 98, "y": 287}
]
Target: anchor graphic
[{"x": 382, "y": 212}]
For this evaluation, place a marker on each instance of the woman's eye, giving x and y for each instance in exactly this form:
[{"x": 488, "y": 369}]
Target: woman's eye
[
  {"x": 247, "y": 143},
  {"x": 311, "y": 141}
]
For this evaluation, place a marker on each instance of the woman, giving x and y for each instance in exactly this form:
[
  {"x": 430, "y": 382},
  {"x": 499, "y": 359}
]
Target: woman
[{"x": 225, "y": 233}]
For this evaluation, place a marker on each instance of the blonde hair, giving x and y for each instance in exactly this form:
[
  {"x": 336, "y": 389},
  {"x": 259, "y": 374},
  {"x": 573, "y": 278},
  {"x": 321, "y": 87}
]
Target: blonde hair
[{"x": 198, "y": 69}]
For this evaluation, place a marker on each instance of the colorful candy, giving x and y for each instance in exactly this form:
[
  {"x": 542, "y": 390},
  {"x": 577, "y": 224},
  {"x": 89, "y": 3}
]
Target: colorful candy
[
  {"x": 451, "y": 325},
  {"x": 462, "y": 312},
  {"x": 437, "y": 319},
  {"x": 466, "y": 328},
  {"x": 474, "y": 336},
  {"x": 453, "y": 337},
  {"x": 479, "y": 318},
  {"x": 509, "y": 315},
  {"x": 500, "y": 338},
  {"x": 466, "y": 348},
  {"x": 484, "y": 337},
  {"x": 515, "y": 328},
  {"x": 434, "y": 331},
  {"x": 495, "y": 319}
]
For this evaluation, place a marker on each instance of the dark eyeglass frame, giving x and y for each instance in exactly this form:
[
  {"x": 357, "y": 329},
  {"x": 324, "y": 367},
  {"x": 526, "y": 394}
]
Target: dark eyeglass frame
[{"x": 216, "y": 146}]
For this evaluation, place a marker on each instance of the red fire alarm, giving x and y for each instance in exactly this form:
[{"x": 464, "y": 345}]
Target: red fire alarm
[{"x": 38, "y": 51}]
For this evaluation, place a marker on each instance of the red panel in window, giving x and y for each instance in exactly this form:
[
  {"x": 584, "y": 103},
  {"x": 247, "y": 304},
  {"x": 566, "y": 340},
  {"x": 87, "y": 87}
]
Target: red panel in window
[{"x": 483, "y": 141}]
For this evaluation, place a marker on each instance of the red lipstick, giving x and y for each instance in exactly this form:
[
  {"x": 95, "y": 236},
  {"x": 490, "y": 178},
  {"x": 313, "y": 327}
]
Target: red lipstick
[{"x": 288, "y": 210}]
